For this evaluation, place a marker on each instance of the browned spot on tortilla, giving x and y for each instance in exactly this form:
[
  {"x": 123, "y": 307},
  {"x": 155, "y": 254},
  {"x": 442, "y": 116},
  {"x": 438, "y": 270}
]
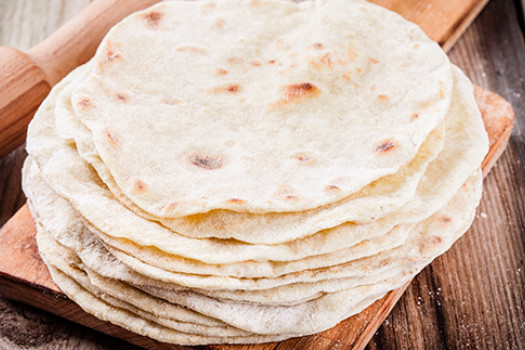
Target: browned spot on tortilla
[
  {"x": 85, "y": 103},
  {"x": 230, "y": 88},
  {"x": 444, "y": 219},
  {"x": 255, "y": 63},
  {"x": 139, "y": 186},
  {"x": 347, "y": 76},
  {"x": 272, "y": 61},
  {"x": 441, "y": 93},
  {"x": 318, "y": 46},
  {"x": 332, "y": 189},
  {"x": 209, "y": 5},
  {"x": 189, "y": 48},
  {"x": 286, "y": 192},
  {"x": 236, "y": 201},
  {"x": 431, "y": 243},
  {"x": 382, "y": 97},
  {"x": 222, "y": 71},
  {"x": 171, "y": 207},
  {"x": 416, "y": 46},
  {"x": 296, "y": 92},
  {"x": 205, "y": 161},
  {"x": 113, "y": 137},
  {"x": 386, "y": 146},
  {"x": 358, "y": 70},
  {"x": 356, "y": 85},
  {"x": 218, "y": 23},
  {"x": 170, "y": 101},
  {"x": 121, "y": 97},
  {"x": 323, "y": 62},
  {"x": 152, "y": 18},
  {"x": 373, "y": 60},
  {"x": 111, "y": 56},
  {"x": 373, "y": 87},
  {"x": 304, "y": 158},
  {"x": 414, "y": 117}
]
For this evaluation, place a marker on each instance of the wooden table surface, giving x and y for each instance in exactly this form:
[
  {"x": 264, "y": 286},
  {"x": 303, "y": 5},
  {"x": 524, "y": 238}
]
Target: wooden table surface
[{"x": 471, "y": 297}]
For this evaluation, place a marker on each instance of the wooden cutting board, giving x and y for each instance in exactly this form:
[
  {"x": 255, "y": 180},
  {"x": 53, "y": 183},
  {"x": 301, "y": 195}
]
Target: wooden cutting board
[{"x": 24, "y": 277}]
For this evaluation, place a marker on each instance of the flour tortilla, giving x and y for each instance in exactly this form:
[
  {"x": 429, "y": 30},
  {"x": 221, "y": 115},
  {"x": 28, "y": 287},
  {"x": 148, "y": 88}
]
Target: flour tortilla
[
  {"x": 418, "y": 247},
  {"x": 435, "y": 237},
  {"x": 68, "y": 228},
  {"x": 70, "y": 232},
  {"x": 70, "y": 177},
  {"x": 376, "y": 200},
  {"x": 328, "y": 308},
  {"x": 348, "y": 269},
  {"x": 312, "y": 125},
  {"x": 127, "y": 297}
]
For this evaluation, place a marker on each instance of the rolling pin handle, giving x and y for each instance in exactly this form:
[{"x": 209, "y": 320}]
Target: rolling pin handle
[{"x": 23, "y": 86}]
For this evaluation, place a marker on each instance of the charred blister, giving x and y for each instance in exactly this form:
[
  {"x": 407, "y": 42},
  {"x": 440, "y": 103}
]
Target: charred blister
[
  {"x": 205, "y": 161},
  {"x": 385, "y": 146}
]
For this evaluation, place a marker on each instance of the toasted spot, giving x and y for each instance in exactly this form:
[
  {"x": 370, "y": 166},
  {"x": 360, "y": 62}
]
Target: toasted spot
[
  {"x": 222, "y": 71},
  {"x": 139, "y": 186},
  {"x": 304, "y": 158},
  {"x": 356, "y": 85},
  {"x": 373, "y": 87},
  {"x": 297, "y": 92},
  {"x": 190, "y": 48},
  {"x": 113, "y": 137},
  {"x": 170, "y": 101},
  {"x": 272, "y": 61},
  {"x": 386, "y": 146},
  {"x": 444, "y": 219},
  {"x": 416, "y": 46},
  {"x": 152, "y": 18},
  {"x": 323, "y": 62},
  {"x": 441, "y": 93},
  {"x": 230, "y": 88},
  {"x": 218, "y": 24},
  {"x": 236, "y": 201},
  {"x": 358, "y": 70},
  {"x": 121, "y": 97},
  {"x": 431, "y": 243},
  {"x": 414, "y": 117},
  {"x": 347, "y": 76},
  {"x": 332, "y": 189},
  {"x": 111, "y": 57},
  {"x": 317, "y": 46},
  {"x": 171, "y": 207},
  {"x": 255, "y": 63},
  {"x": 286, "y": 192},
  {"x": 208, "y": 5},
  {"x": 373, "y": 60},
  {"x": 205, "y": 161},
  {"x": 382, "y": 97},
  {"x": 85, "y": 104}
]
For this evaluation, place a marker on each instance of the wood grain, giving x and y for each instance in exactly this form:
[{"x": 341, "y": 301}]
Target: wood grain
[
  {"x": 24, "y": 276},
  {"x": 438, "y": 310}
]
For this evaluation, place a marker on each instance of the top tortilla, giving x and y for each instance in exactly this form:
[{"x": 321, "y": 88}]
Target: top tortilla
[{"x": 260, "y": 106}]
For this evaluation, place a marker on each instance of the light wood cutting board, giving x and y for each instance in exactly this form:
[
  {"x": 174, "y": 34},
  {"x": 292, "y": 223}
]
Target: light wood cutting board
[{"x": 24, "y": 277}]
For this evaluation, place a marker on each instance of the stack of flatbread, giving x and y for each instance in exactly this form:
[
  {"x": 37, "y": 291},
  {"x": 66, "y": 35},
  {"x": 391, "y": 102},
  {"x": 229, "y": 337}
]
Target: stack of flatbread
[{"x": 249, "y": 171}]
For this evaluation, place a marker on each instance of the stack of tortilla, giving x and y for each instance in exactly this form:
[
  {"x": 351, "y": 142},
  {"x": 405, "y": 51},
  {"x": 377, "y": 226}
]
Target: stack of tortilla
[{"x": 249, "y": 171}]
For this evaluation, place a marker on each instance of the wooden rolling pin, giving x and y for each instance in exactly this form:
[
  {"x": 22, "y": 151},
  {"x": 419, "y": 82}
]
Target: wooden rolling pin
[{"x": 26, "y": 78}]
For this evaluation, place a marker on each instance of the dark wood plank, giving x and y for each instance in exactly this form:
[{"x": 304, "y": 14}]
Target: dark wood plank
[{"x": 439, "y": 310}]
